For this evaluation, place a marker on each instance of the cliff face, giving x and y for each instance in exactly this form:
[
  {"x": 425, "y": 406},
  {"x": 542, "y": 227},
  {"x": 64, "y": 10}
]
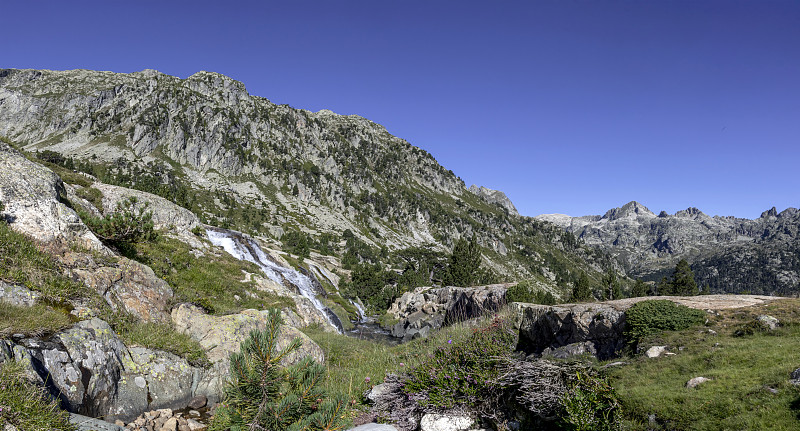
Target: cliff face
[
  {"x": 240, "y": 161},
  {"x": 730, "y": 254}
]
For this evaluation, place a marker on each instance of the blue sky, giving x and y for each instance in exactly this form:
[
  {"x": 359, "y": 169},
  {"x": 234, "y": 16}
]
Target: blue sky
[{"x": 568, "y": 106}]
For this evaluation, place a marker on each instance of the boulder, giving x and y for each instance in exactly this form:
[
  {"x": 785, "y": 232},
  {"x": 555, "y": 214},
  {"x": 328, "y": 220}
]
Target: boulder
[
  {"x": 543, "y": 326},
  {"x": 427, "y": 309},
  {"x": 655, "y": 351},
  {"x": 17, "y": 295},
  {"x": 166, "y": 215},
  {"x": 124, "y": 283},
  {"x": 794, "y": 377},
  {"x": 695, "y": 382},
  {"x": 441, "y": 422},
  {"x": 768, "y": 322},
  {"x": 84, "y": 423},
  {"x": 36, "y": 205},
  {"x": 570, "y": 350},
  {"x": 168, "y": 378},
  {"x": 222, "y": 335}
]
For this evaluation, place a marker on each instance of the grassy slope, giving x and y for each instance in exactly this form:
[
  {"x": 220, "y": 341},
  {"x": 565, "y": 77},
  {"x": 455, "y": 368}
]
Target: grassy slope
[{"x": 742, "y": 369}]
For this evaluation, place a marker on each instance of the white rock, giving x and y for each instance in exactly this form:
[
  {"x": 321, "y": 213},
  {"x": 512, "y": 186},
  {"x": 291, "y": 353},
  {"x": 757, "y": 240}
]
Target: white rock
[
  {"x": 655, "y": 351},
  {"x": 693, "y": 383},
  {"x": 437, "y": 422}
]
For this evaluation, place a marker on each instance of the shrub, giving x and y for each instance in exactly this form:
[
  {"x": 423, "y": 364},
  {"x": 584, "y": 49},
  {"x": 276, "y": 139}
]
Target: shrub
[
  {"x": 649, "y": 317},
  {"x": 92, "y": 195},
  {"x": 591, "y": 404},
  {"x": 199, "y": 231},
  {"x": 25, "y": 406},
  {"x": 463, "y": 372},
  {"x": 127, "y": 224},
  {"x": 262, "y": 394}
]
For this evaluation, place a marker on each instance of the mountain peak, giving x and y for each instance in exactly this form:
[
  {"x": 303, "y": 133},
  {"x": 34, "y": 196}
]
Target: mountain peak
[
  {"x": 494, "y": 197},
  {"x": 631, "y": 209},
  {"x": 690, "y": 212}
]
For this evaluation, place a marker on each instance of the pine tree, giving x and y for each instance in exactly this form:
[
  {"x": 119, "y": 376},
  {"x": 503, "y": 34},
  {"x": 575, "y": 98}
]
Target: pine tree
[
  {"x": 639, "y": 289},
  {"x": 465, "y": 261},
  {"x": 261, "y": 394},
  {"x": 583, "y": 289},
  {"x": 683, "y": 282},
  {"x": 611, "y": 289}
]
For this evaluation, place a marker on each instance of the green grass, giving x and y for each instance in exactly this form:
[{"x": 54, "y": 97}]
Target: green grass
[
  {"x": 21, "y": 262},
  {"x": 160, "y": 336},
  {"x": 208, "y": 281},
  {"x": 351, "y": 361},
  {"x": 25, "y": 406},
  {"x": 36, "y": 321},
  {"x": 741, "y": 368}
]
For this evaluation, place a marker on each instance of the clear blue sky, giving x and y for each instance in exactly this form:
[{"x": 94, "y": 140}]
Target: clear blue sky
[{"x": 567, "y": 106}]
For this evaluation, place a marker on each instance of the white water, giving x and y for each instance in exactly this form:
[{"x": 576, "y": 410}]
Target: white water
[
  {"x": 362, "y": 315},
  {"x": 233, "y": 245}
]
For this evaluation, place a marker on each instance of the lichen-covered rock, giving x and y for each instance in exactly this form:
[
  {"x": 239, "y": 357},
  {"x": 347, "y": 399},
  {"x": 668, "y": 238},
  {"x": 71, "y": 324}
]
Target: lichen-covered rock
[
  {"x": 444, "y": 422},
  {"x": 222, "y": 335},
  {"x": 124, "y": 283},
  {"x": 17, "y": 295},
  {"x": 168, "y": 378},
  {"x": 34, "y": 199}
]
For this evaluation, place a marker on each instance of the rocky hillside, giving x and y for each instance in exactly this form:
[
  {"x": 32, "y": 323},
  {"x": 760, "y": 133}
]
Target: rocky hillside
[
  {"x": 729, "y": 254},
  {"x": 240, "y": 161}
]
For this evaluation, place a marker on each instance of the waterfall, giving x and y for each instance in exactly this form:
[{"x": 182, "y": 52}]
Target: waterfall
[
  {"x": 362, "y": 315},
  {"x": 244, "y": 248}
]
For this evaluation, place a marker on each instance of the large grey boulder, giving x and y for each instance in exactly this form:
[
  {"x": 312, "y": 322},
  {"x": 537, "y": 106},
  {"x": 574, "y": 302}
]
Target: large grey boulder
[
  {"x": 166, "y": 215},
  {"x": 222, "y": 335},
  {"x": 125, "y": 284},
  {"x": 445, "y": 422},
  {"x": 91, "y": 372},
  {"x": 427, "y": 309},
  {"x": 601, "y": 324},
  {"x": 85, "y": 423},
  {"x": 34, "y": 199}
]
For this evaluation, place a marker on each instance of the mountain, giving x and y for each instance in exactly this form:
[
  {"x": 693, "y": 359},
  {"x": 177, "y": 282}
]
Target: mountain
[
  {"x": 729, "y": 254},
  {"x": 240, "y": 161},
  {"x": 494, "y": 197}
]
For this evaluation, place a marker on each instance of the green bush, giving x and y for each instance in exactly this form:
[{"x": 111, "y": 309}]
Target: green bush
[
  {"x": 591, "y": 404},
  {"x": 25, "y": 406},
  {"x": 262, "y": 394},
  {"x": 649, "y": 317},
  {"x": 127, "y": 224},
  {"x": 463, "y": 372}
]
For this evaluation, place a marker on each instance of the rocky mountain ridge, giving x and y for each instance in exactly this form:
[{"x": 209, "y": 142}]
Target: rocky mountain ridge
[
  {"x": 240, "y": 161},
  {"x": 729, "y": 254}
]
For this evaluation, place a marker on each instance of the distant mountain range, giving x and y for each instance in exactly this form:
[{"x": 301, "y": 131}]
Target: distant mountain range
[{"x": 727, "y": 253}]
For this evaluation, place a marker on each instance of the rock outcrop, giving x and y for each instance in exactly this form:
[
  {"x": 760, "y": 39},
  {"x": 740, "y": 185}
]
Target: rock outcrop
[
  {"x": 35, "y": 203},
  {"x": 494, "y": 197},
  {"x": 222, "y": 335},
  {"x": 90, "y": 370},
  {"x": 598, "y": 327},
  {"x": 427, "y": 309}
]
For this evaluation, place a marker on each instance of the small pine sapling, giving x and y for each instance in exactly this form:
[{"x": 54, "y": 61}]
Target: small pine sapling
[{"x": 262, "y": 394}]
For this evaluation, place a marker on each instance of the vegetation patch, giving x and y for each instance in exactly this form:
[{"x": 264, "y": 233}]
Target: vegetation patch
[
  {"x": 36, "y": 321},
  {"x": 209, "y": 281},
  {"x": 25, "y": 406},
  {"x": 158, "y": 336},
  {"x": 649, "y": 317},
  {"x": 749, "y": 387}
]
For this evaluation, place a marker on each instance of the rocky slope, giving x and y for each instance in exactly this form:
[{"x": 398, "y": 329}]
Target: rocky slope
[
  {"x": 240, "y": 161},
  {"x": 729, "y": 254}
]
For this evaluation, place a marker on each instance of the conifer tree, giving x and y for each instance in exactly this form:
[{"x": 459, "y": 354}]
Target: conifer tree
[
  {"x": 465, "y": 261},
  {"x": 263, "y": 395},
  {"x": 683, "y": 282},
  {"x": 583, "y": 289}
]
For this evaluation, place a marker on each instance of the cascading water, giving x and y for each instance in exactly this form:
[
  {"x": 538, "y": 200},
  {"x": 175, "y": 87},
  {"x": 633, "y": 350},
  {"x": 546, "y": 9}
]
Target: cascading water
[{"x": 244, "y": 248}]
